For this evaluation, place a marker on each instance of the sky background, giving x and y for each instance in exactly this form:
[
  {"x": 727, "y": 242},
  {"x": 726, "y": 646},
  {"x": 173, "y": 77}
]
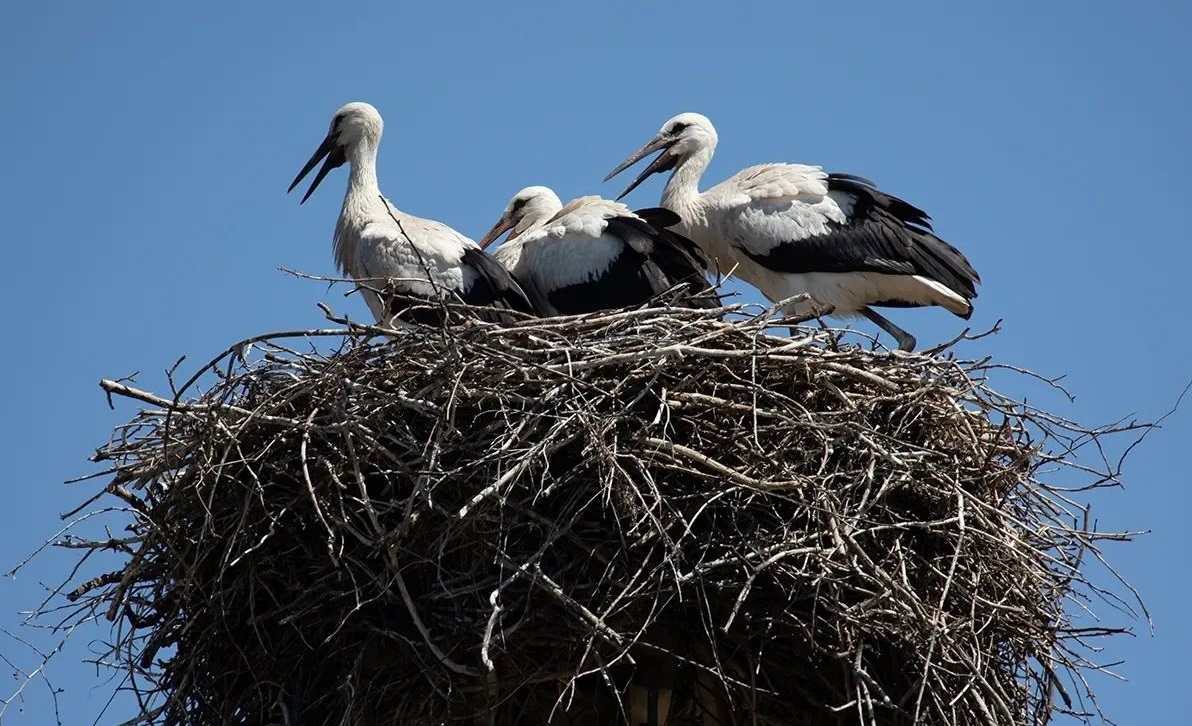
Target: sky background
[{"x": 148, "y": 147}]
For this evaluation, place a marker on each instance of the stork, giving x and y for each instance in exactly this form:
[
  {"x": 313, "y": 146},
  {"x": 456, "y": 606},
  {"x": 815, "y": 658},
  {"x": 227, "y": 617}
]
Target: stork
[
  {"x": 401, "y": 260},
  {"x": 594, "y": 254},
  {"x": 529, "y": 209},
  {"x": 791, "y": 228}
]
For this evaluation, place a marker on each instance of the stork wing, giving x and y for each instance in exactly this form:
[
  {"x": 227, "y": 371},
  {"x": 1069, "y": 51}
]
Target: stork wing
[
  {"x": 773, "y": 182},
  {"x": 659, "y": 217},
  {"x": 601, "y": 256},
  {"x": 578, "y": 266},
  {"x": 385, "y": 258},
  {"x": 668, "y": 259},
  {"x": 424, "y": 260},
  {"x": 858, "y": 229},
  {"x": 487, "y": 284}
]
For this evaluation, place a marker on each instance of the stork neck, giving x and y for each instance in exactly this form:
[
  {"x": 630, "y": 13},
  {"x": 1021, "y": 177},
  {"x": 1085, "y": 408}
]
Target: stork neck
[
  {"x": 362, "y": 179},
  {"x": 360, "y": 202},
  {"x": 683, "y": 186}
]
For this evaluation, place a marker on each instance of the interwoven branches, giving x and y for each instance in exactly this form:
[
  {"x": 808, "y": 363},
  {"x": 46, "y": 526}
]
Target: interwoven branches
[{"x": 562, "y": 519}]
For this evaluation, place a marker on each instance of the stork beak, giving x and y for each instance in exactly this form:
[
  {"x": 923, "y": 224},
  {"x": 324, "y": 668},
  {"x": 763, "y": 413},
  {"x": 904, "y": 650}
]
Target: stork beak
[
  {"x": 504, "y": 223},
  {"x": 664, "y": 162},
  {"x": 335, "y": 158}
]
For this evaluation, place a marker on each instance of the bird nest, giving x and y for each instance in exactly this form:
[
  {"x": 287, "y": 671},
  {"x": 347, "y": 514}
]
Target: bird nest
[{"x": 651, "y": 516}]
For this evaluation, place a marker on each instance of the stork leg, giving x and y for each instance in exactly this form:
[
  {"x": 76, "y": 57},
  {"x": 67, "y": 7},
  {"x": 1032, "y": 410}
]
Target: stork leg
[
  {"x": 816, "y": 313},
  {"x": 906, "y": 341}
]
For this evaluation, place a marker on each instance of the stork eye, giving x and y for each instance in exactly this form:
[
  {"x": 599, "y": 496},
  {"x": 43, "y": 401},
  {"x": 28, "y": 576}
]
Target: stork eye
[
  {"x": 678, "y": 128},
  {"x": 518, "y": 204}
]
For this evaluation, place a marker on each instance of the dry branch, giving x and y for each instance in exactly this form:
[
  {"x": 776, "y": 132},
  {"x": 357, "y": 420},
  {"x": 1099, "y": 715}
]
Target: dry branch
[{"x": 506, "y": 525}]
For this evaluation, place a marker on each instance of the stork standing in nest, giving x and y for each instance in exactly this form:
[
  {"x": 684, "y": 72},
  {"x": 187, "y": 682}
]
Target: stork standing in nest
[
  {"x": 398, "y": 259},
  {"x": 594, "y": 254},
  {"x": 789, "y": 229}
]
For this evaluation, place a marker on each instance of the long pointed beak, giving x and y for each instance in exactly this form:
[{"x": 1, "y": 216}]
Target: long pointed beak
[
  {"x": 664, "y": 162},
  {"x": 335, "y": 158},
  {"x": 503, "y": 224}
]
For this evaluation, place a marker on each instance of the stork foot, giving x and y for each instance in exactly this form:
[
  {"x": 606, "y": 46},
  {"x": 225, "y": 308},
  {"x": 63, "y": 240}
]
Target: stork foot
[{"x": 906, "y": 341}]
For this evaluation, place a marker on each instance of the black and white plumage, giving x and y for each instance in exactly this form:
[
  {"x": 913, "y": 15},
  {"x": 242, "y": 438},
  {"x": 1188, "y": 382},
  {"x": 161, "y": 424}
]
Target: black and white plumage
[
  {"x": 398, "y": 259},
  {"x": 595, "y": 254},
  {"x": 789, "y": 229}
]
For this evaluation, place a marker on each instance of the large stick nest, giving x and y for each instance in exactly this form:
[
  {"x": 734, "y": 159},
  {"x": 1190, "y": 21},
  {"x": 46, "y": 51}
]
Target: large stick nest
[{"x": 647, "y": 516}]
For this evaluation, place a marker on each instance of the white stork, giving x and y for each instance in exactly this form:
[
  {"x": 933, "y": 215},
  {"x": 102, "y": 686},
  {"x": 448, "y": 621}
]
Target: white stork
[
  {"x": 595, "y": 254},
  {"x": 529, "y": 209},
  {"x": 790, "y": 228},
  {"x": 407, "y": 259}
]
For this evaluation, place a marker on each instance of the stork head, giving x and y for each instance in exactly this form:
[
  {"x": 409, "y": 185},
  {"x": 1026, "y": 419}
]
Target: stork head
[
  {"x": 353, "y": 126},
  {"x": 529, "y": 207},
  {"x": 679, "y": 138}
]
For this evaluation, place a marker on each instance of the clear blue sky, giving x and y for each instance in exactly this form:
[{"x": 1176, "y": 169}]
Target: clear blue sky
[{"x": 148, "y": 146}]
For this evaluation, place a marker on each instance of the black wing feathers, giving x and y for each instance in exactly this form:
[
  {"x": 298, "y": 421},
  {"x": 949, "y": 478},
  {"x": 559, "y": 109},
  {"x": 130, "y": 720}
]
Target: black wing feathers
[
  {"x": 883, "y": 234},
  {"x": 674, "y": 260},
  {"x": 659, "y": 217},
  {"x": 620, "y": 286},
  {"x": 860, "y": 187},
  {"x": 496, "y": 287},
  {"x": 654, "y": 261},
  {"x": 494, "y": 292}
]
